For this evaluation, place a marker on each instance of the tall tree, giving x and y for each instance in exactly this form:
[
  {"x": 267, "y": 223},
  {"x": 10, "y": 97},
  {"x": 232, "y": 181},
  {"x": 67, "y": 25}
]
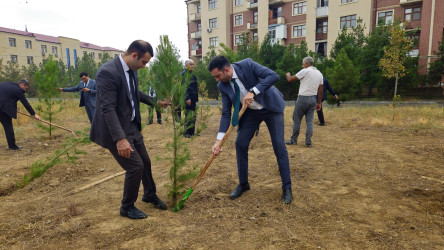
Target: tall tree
[
  {"x": 395, "y": 55},
  {"x": 344, "y": 77},
  {"x": 436, "y": 69},
  {"x": 202, "y": 74}
]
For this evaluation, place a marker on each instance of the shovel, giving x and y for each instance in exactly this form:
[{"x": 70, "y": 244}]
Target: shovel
[
  {"x": 55, "y": 125},
  {"x": 181, "y": 202}
]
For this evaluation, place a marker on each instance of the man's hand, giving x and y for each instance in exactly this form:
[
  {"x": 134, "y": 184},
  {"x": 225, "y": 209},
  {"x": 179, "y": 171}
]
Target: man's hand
[
  {"x": 188, "y": 102},
  {"x": 216, "y": 149},
  {"x": 318, "y": 106},
  {"x": 248, "y": 99},
  {"x": 124, "y": 148},
  {"x": 164, "y": 103},
  {"x": 288, "y": 75},
  {"x": 86, "y": 90},
  {"x": 59, "y": 89},
  {"x": 37, "y": 118},
  {"x": 336, "y": 97}
]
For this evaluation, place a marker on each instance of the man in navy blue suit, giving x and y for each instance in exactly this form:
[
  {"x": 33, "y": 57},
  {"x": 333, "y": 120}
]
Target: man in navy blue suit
[{"x": 265, "y": 102}]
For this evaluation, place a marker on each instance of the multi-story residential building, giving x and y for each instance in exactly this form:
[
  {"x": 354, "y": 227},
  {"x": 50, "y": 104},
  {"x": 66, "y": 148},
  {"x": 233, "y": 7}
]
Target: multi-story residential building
[
  {"x": 26, "y": 47},
  {"x": 318, "y": 22}
]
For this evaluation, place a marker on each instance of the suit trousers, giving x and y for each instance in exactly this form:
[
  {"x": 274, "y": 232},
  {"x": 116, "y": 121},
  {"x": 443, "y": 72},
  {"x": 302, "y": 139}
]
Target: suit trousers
[
  {"x": 90, "y": 109},
  {"x": 190, "y": 124},
  {"x": 305, "y": 106},
  {"x": 137, "y": 167},
  {"x": 6, "y": 121},
  {"x": 248, "y": 124}
]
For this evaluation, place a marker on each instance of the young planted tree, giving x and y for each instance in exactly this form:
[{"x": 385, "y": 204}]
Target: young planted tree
[
  {"x": 395, "y": 56},
  {"x": 48, "y": 79},
  {"x": 167, "y": 81}
]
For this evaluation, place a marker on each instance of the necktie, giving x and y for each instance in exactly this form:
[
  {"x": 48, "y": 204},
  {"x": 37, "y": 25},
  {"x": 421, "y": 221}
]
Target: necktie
[
  {"x": 134, "y": 95},
  {"x": 235, "y": 119}
]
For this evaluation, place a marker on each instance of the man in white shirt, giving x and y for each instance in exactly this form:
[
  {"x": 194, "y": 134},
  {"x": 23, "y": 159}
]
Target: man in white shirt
[{"x": 311, "y": 85}]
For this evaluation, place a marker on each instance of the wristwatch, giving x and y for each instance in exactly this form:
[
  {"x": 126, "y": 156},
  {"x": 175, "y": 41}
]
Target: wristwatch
[{"x": 252, "y": 91}]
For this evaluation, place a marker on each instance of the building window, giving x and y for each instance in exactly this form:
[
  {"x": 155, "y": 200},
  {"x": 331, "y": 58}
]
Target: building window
[
  {"x": 272, "y": 34},
  {"x": 213, "y": 23},
  {"x": 30, "y": 60},
  {"x": 255, "y": 37},
  {"x": 238, "y": 20},
  {"x": 276, "y": 12},
  {"x": 322, "y": 3},
  {"x": 199, "y": 27},
  {"x": 321, "y": 27},
  {"x": 54, "y": 51},
  {"x": 347, "y": 1},
  {"x": 237, "y": 40},
  {"x": 348, "y": 21},
  {"x": 14, "y": 59},
  {"x": 321, "y": 48},
  {"x": 44, "y": 50},
  {"x": 212, "y": 4},
  {"x": 299, "y": 30},
  {"x": 28, "y": 44},
  {"x": 12, "y": 42},
  {"x": 214, "y": 41},
  {"x": 93, "y": 55},
  {"x": 416, "y": 14},
  {"x": 255, "y": 17},
  {"x": 387, "y": 17},
  {"x": 100, "y": 55},
  {"x": 238, "y": 2},
  {"x": 299, "y": 8},
  {"x": 198, "y": 8}
]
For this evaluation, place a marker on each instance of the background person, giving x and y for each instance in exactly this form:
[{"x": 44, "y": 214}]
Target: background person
[
  {"x": 309, "y": 99},
  {"x": 191, "y": 98},
  {"x": 326, "y": 86},
  {"x": 254, "y": 83},
  {"x": 10, "y": 93},
  {"x": 117, "y": 124},
  {"x": 151, "y": 107},
  {"x": 87, "y": 88}
]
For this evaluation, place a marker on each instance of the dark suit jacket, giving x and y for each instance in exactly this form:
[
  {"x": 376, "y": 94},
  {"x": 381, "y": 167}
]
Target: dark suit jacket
[
  {"x": 251, "y": 74},
  {"x": 112, "y": 119},
  {"x": 89, "y": 97},
  {"x": 192, "y": 90},
  {"x": 10, "y": 93}
]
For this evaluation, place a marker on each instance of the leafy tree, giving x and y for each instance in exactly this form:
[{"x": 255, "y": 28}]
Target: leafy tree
[
  {"x": 28, "y": 73},
  {"x": 11, "y": 71},
  {"x": 395, "y": 55},
  {"x": 106, "y": 57},
  {"x": 270, "y": 54},
  {"x": 344, "y": 77},
  {"x": 48, "y": 80},
  {"x": 202, "y": 74},
  {"x": 167, "y": 81},
  {"x": 436, "y": 69},
  {"x": 88, "y": 65}
]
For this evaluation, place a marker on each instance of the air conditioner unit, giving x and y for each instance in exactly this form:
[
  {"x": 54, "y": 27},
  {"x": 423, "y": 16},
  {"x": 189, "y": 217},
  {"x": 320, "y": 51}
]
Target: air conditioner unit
[{"x": 209, "y": 30}]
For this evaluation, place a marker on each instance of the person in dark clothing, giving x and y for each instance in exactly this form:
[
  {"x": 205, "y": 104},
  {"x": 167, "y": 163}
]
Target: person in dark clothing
[
  {"x": 191, "y": 98},
  {"x": 324, "y": 97},
  {"x": 10, "y": 93},
  {"x": 151, "y": 107}
]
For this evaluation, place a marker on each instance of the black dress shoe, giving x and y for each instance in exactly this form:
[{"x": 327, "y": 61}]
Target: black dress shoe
[
  {"x": 16, "y": 148},
  {"x": 321, "y": 124},
  {"x": 187, "y": 135},
  {"x": 239, "y": 190},
  {"x": 291, "y": 142},
  {"x": 287, "y": 197},
  {"x": 133, "y": 213},
  {"x": 158, "y": 203},
  {"x": 159, "y": 121}
]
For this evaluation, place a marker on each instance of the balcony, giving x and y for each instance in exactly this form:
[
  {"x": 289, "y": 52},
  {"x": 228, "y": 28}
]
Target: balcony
[
  {"x": 277, "y": 20},
  {"x": 196, "y": 52},
  {"x": 193, "y": 1},
  {"x": 253, "y": 5},
  {"x": 277, "y": 41},
  {"x": 195, "y": 17},
  {"x": 196, "y": 35},
  {"x": 252, "y": 26},
  {"x": 322, "y": 12},
  {"x": 274, "y": 2},
  {"x": 408, "y": 2},
  {"x": 321, "y": 36}
]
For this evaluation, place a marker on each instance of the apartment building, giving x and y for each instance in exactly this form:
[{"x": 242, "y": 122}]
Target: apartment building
[
  {"x": 26, "y": 47},
  {"x": 317, "y": 22}
]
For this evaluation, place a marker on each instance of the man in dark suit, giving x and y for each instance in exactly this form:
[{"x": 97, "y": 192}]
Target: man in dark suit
[
  {"x": 191, "y": 98},
  {"x": 10, "y": 93},
  {"x": 254, "y": 83},
  {"x": 117, "y": 124},
  {"x": 326, "y": 86},
  {"x": 87, "y": 88}
]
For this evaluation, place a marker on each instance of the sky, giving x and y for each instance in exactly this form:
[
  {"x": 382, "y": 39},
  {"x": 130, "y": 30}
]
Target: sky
[{"x": 101, "y": 22}]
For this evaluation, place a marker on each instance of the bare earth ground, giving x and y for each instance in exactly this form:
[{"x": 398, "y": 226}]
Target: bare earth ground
[{"x": 371, "y": 186}]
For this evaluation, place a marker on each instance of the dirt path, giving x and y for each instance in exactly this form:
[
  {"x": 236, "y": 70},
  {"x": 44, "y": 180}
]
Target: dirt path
[{"x": 357, "y": 187}]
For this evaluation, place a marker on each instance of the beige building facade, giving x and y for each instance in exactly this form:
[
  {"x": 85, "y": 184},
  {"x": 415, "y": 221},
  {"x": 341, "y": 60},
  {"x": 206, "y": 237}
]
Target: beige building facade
[
  {"x": 25, "y": 48},
  {"x": 317, "y": 22}
]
